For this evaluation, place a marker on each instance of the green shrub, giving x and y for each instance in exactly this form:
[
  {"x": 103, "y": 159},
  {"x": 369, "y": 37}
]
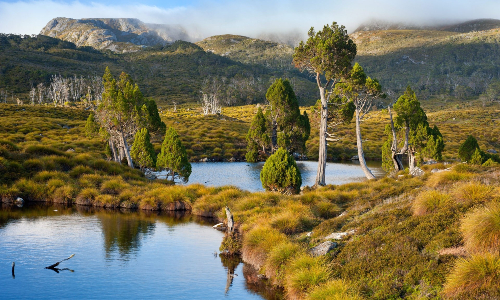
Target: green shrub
[
  {"x": 467, "y": 148},
  {"x": 280, "y": 173},
  {"x": 113, "y": 186},
  {"x": 481, "y": 229}
]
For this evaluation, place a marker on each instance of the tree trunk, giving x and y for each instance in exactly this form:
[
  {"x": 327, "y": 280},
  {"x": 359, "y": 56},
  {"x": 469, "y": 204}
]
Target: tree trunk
[
  {"x": 397, "y": 158},
  {"x": 361, "y": 155},
  {"x": 126, "y": 151},
  {"x": 411, "y": 159},
  {"x": 113, "y": 149},
  {"x": 274, "y": 136},
  {"x": 320, "y": 176}
]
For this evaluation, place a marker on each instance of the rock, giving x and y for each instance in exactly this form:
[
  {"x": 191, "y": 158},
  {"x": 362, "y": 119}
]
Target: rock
[
  {"x": 150, "y": 175},
  {"x": 355, "y": 157},
  {"x": 204, "y": 159},
  {"x": 339, "y": 235},
  {"x": 417, "y": 172},
  {"x": 492, "y": 151},
  {"x": 70, "y": 150},
  {"x": 19, "y": 202},
  {"x": 232, "y": 159},
  {"x": 219, "y": 227},
  {"x": 430, "y": 162},
  {"x": 309, "y": 234},
  {"x": 323, "y": 248}
]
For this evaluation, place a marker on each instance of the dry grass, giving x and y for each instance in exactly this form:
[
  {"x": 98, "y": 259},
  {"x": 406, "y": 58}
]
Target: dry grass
[
  {"x": 481, "y": 229},
  {"x": 430, "y": 201},
  {"x": 477, "y": 277},
  {"x": 334, "y": 290}
]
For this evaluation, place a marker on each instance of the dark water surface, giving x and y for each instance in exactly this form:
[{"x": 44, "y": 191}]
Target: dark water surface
[
  {"x": 247, "y": 175},
  {"x": 118, "y": 255}
]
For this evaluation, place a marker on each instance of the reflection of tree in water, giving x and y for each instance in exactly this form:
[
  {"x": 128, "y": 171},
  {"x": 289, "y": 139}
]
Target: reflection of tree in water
[
  {"x": 10, "y": 212},
  {"x": 230, "y": 262},
  {"x": 123, "y": 232}
]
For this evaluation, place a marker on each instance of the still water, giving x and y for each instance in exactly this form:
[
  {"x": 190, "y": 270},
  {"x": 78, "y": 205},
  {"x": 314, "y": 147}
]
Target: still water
[
  {"x": 118, "y": 255},
  {"x": 246, "y": 176}
]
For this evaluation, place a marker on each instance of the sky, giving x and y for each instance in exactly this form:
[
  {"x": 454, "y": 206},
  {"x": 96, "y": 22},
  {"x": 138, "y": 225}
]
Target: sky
[{"x": 203, "y": 18}]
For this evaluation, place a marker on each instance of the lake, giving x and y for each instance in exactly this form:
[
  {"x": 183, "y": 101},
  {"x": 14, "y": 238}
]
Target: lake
[
  {"x": 126, "y": 255},
  {"x": 246, "y": 176}
]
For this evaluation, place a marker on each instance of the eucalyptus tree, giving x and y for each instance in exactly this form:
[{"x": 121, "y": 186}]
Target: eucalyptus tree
[
  {"x": 362, "y": 91},
  {"x": 328, "y": 54}
]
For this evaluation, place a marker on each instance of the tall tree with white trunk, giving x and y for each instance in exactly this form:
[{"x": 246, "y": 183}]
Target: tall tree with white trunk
[
  {"x": 362, "y": 90},
  {"x": 328, "y": 54}
]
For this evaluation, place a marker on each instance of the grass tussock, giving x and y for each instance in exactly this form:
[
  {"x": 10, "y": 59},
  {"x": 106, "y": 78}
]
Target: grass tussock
[
  {"x": 430, "y": 201},
  {"x": 334, "y": 290},
  {"x": 447, "y": 177},
  {"x": 278, "y": 258},
  {"x": 481, "y": 229},
  {"x": 473, "y": 193},
  {"x": 305, "y": 274},
  {"x": 476, "y": 277}
]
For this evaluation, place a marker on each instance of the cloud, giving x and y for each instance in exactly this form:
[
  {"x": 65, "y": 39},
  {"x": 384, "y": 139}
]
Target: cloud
[{"x": 249, "y": 17}]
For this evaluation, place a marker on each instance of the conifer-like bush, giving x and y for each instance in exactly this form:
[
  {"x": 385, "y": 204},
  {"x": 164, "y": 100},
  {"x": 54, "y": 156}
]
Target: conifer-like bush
[
  {"x": 467, "y": 149},
  {"x": 173, "y": 157},
  {"x": 143, "y": 152},
  {"x": 281, "y": 174}
]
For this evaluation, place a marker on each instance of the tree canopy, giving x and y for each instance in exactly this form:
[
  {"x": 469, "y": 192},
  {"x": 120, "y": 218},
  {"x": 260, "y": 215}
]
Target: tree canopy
[{"x": 143, "y": 151}]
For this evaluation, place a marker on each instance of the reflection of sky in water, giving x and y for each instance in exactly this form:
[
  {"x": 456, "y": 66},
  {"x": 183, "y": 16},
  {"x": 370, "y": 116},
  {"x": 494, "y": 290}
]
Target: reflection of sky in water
[
  {"x": 116, "y": 256},
  {"x": 247, "y": 175}
]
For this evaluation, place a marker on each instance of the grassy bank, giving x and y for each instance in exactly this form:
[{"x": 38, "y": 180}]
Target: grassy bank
[{"x": 435, "y": 236}]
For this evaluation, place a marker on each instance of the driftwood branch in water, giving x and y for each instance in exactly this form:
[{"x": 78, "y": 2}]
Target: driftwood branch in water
[
  {"x": 53, "y": 267},
  {"x": 13, "y": 266}
]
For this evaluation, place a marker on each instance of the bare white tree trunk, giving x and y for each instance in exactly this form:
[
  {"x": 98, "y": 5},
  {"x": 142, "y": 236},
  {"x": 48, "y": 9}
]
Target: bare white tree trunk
[
  {"x": 126, "y": 150},
  {"x": 320, "y": 175},
  {"x": 361, "y": 155}
]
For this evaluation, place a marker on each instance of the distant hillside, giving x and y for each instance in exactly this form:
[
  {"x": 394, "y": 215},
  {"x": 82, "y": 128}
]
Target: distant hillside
[
  {"x": 249, "y": 51},
  {"x": 433, "y": 62},
  {"x": 170, "y": 73},
  {"x": 119, "y": 35},
  {"x": 463, "y": 27}
]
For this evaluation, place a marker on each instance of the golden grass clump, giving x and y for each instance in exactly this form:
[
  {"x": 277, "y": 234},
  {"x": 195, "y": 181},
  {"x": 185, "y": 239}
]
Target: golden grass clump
[
  {"x": 114, "y": 186},
  {"x": 109, "y": 201},
  {"x": 277, "y": 260},
  {"x": 477, "y": 277},
  {"x": 258, "y": 241},
  {"x": 294, "y": 217},
  {"x": 481, "y": 229},
  {"x": 210, "y": 205},
  {"x": 31, "y": 190},
  {"x": 91, "y": 180},
  {"x": 473, "y": 193},
  {"x": 334, "y": 290},
  {"x": 304, "y": 274},
  {"x": 87, "y": 196},
  {"x": 429, "y": 201},
  {"x": 45, "y": 176},
  {"x": 64, "y": 194},
  {"x": 447, "y": 177}
]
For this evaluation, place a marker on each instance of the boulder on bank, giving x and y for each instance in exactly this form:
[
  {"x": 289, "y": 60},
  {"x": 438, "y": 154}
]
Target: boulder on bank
[{"x": 323, "y": 248}]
